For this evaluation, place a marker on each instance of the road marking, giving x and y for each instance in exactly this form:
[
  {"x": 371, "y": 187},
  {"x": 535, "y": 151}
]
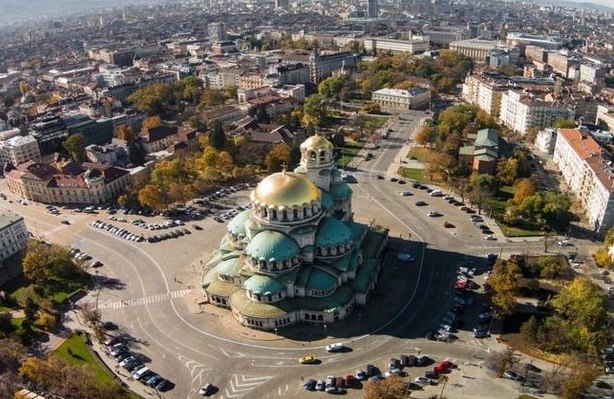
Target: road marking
[
  {"x": 240, "y": 385},
  {"x": 196, "y": 370},
  {"x": 144, "y": 300}
]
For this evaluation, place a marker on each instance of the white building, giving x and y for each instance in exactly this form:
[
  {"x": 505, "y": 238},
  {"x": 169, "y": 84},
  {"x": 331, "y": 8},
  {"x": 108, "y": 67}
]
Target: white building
[
  {"x": 545, "y": 140},
  {"x": 401, "y": 99},
  {"x": 415, "y": 45},
  {"x": 13, "y": 239},
  {"x": 19, "y": 149},
  {"x": 477, "y": 49},
  {"x": 519, "y": 112},
  {"x": 605, "y": 117},
  {"x": 588, "y": 175}
]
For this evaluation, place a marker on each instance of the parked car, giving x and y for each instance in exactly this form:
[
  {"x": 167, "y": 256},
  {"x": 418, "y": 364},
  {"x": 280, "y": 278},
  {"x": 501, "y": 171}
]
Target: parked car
[
  {"x": 512, "y": 375},
  {"x": 334, "y": 347},
  {"x": 205, "y": 389},
  {"x": 310, "y": 385}
]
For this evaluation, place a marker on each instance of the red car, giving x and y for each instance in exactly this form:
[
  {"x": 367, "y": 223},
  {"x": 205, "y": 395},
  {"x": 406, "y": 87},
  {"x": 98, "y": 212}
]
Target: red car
[
  {"x": 461, "y": 284},
  {"x": 340, "y": 382},
  {"x": 439, "y": 369},
  {"x": 446, "y": 364},
  {"x": 448, "y": 225}
]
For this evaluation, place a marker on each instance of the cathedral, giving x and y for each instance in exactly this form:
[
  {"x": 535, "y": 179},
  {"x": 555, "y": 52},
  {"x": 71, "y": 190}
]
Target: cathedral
[{"x": 296, "y": 255}]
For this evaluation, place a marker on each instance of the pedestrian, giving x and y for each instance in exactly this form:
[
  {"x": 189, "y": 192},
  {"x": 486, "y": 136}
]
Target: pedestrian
[{"x": 419, "y": 351}]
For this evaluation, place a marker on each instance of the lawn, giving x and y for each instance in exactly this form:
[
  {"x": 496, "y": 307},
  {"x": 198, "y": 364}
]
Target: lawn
[
  {"x": 348, "y": 152},
  {"x": 75, "y": 351},
  {"x": 369, "y": 122},
  {"x": 414, "y": 174},
  {"x": 420, "y": 154},
  {"x": 59, "y": 289}
]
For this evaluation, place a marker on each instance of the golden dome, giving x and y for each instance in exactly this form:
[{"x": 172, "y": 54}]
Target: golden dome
[
  {"x": 317, "y": 142},
  {"x": 285, "y": 189}
]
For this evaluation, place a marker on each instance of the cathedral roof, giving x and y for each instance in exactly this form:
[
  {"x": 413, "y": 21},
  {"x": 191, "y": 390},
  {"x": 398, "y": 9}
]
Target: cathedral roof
[
  {"x": 317, "y": 142},
  {"x": 340, "y": 191},
  {"x": 285, "y": 189},
  {"x": 270, "y": 245},
  {"x": 237, "y": 224},
  {"x": 332, "y": 232},
  {"x": 263, "y": 285}
]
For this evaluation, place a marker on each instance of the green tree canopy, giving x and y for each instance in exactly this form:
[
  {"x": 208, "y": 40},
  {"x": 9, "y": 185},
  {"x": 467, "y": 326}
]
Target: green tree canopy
[
  {"x": 217, "y": 137},
  {"x": 75, "y": 145}
]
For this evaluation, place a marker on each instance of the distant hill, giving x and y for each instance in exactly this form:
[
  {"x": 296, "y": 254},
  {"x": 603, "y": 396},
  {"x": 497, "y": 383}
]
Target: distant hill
[{"x": 585, "y": 5}]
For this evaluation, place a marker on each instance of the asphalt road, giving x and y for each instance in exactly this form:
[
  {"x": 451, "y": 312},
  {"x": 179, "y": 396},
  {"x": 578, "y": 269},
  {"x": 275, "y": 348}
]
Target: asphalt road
[{"x": 156, "y": 302}]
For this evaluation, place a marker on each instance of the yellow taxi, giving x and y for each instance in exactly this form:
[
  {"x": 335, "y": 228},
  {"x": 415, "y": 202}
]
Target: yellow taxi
[{"x": 307, "y": 360}]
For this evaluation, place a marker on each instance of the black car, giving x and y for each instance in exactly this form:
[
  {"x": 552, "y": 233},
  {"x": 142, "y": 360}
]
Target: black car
[
  {"x": 487, "y": 232},
  {"x": 432, "y": 375},
  {"x": 197, "y": 227},
  {"x": 371, "y": 370},
  {"x": 412, "y": 386},
  {"x": 380, "y": 177},
  {"x": 421, "y": 203},
  {"x": 404, "y": 360},
  {"x": 109, "y": 325},
  {"x": 423, "y": 361},
  {"x": 401, "y": 181},
  {"x": 416, "y": 185},
  {"x": 412, "y": 360},
  {"x": 163, "y": 385}
]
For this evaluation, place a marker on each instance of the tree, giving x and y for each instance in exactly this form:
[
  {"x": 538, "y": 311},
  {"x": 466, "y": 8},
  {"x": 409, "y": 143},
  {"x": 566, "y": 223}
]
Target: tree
[
  {"x": 547, "y": 210},
  {"x": 125, "y": 132},
  {"x": 90, "y": 314},
  {"x": 278, "y": 156},
  {"x": 260, "y": 113},
  {"x": 153, "y": 197},
  {"x": 36, "y": 263},
  {"x": 389, "y": 388},
  {"x": 75, "y": 145},
  {"x": 23, "y": 87},
  {"x": 580, "y": 378},
  {"x": 153, "y": 100},
  {"x": 46, "y": 321},
  {"x": 217, "y": 137},
  {"x": 563, "y": 123},
  {"x": 314, "y": 111},
  {"x": 6, "y": 326},
  {"x": 529, "y": 330},
  {"x": 330, "y": 87},
  {"x": 441, "y": 164},
  {"x": 30, "y": 309},
  {"x": 211, "y": 98},
  {"x": 426, "y": 136},
  {"x": 504, "y": 284},
  {"x": 371, "y": 108},
  {"x": 12, "y": 354},
  {"x": 136, "y": 154},
  {"x": 503, "y": 360},
  {"x": 523, "y": 188},
  {"x": 507, "y": 171},
  {"x": 603, "y": 258},
  {"x": 583, "y": 303},
  {"x": 151, "y": 122}
]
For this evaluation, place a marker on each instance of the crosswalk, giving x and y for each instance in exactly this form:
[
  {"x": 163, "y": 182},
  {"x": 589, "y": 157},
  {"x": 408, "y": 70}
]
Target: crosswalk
[
  {"x": 144, "y": 300},
  {"x": 240, "y": 385}
]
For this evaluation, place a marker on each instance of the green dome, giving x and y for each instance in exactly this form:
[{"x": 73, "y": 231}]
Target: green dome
[
  {"x": 237, "y": 224},
  {"x": 332, "y": 232},
  {"x": 229, "y": 267},
  {"x": 340, "y": 191},
  {"x": 326, "y": 200},
  {"x": 319, "y": 280},
  {"x": 263, "y": 285},
  {"x": 270, "y": 245}
]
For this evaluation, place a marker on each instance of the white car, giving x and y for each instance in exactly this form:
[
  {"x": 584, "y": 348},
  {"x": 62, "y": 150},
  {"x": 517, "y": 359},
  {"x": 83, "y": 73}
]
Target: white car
[
  {"x": 334, "y": 347},
  {"x": 491, "y": 238},
  {"x": 405, "y": 193},
  {"x": 433, "y": 214}
]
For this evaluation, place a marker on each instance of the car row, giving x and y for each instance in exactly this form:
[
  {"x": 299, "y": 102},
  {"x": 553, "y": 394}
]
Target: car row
[
  {"x": 118, "y": 231},
  {"x": 133, "y": 364},
  {"x": 77, "y": 254},
  {"x": 157, "y": 226},
  {"x": 170, "y": 234}
]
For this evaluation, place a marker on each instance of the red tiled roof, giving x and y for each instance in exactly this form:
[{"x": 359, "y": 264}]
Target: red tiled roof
[{"x": 583, "y": 144}]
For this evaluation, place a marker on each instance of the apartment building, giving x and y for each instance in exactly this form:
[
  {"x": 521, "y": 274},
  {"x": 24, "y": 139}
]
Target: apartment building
[
  {"x": 484, "y": 93},
  {"x": 415, "y": 45},
  {"x": 413, "y": 98},
  {"x": 587, "y": 171},
  {"x": 18, "y": 150},
  {"x": 520, "y": 112},
  {"x": 605, "y": 117},
  {"x": 13, "y": 239}
]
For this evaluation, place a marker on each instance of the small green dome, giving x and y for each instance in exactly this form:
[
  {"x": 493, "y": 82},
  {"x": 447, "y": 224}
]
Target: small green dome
[
  {"x": 332, "y": 232},
  {"x": 237, "y": 224},
  {"x": 270, "y": 245},
  {"x": 229, "y": 267},
  {"x": 319, "y": 280},
  {"x": 263, "y": 285},
  {"x": 326, "y": 200},
  {"x": 340, "y": 191}
]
